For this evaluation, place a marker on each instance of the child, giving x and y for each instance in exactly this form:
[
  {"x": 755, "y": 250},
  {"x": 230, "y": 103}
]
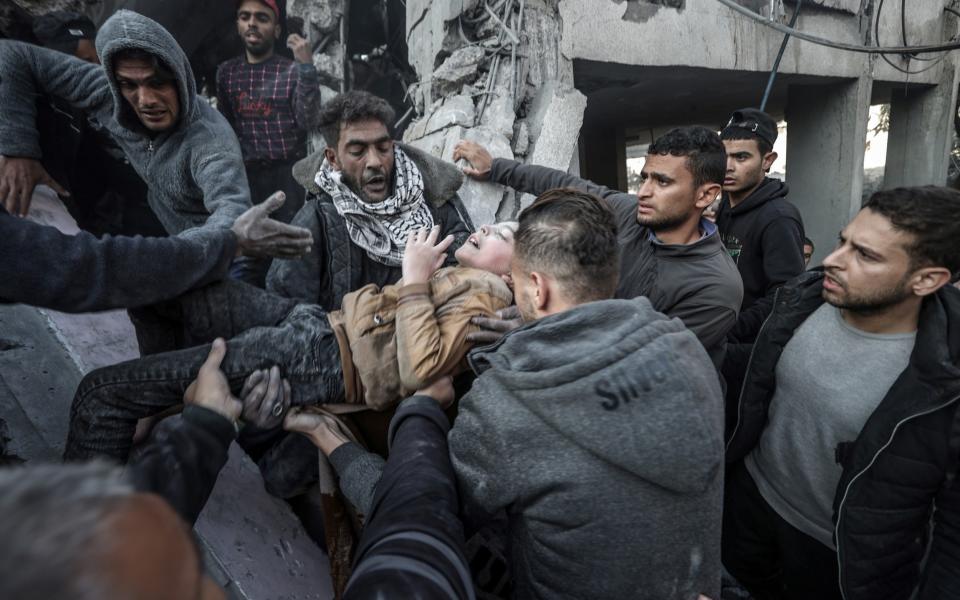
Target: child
[{"x": 381, "y": 346}]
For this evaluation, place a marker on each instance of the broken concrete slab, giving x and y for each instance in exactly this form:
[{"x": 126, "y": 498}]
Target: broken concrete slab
[
  {"x": 499, "y": 115},
  {"x": 482, "y": 199},
  {"x": 459, "y": 68},
  {"x": 559, "y": 118},
  {"x": 456, "y": 110}
]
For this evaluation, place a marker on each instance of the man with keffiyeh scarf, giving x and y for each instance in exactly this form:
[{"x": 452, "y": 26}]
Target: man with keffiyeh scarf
[{"x": 366, "y": 193}]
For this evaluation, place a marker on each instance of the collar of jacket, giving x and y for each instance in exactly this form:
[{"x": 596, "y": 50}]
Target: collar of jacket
[
  {"x": 441, "y": 180},
  {"x": 708, "y": 245}
]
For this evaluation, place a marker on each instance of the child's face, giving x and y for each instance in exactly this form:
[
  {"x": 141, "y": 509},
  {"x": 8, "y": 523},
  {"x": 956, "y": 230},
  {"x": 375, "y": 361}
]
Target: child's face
[{"x": 490, "y": 248}]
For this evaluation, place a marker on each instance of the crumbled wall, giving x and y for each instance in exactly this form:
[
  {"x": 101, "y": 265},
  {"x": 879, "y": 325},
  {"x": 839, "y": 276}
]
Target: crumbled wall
[{"x": 496, "y": 76}]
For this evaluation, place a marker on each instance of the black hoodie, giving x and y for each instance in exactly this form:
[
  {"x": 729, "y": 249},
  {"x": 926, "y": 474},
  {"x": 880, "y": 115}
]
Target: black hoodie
[{"x": 764, "y": 236}]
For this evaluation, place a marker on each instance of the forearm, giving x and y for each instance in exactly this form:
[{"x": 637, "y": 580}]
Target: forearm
[
  {"x": 223, "y": 182},
  {"x": 43, "y": 267},
  {"x": 359, "y": 472},
  {"x": 306, "y": 102},
  {"x": 182, "y": 461},
  {"x": 420, "y": 348},
  {"x": 535, "y": 180},
  {"x": 27, "y": 71}
]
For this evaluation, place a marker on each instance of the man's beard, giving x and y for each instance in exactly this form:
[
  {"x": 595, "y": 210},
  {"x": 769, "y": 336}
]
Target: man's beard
[
  {"x": 872, "y": 302},
  {"x": 260, "y": 48},
  {"x": 355, "y": 187},
  {"x": 663, "y": 222}
]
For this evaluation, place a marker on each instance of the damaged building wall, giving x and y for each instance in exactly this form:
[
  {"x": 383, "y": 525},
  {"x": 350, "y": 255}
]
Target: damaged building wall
[{"x": 493, "y": 73}]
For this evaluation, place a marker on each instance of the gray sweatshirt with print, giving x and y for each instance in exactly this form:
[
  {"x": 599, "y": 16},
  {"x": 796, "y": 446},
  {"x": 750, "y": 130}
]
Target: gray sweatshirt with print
[
  {"x": 599, "y": 433},
  {"x": 194, "y": 171}
]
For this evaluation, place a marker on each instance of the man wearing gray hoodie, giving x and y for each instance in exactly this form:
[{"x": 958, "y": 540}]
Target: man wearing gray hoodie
[
  {"x": 596, "y": 428},
  {"x": 144, "y": 96}
]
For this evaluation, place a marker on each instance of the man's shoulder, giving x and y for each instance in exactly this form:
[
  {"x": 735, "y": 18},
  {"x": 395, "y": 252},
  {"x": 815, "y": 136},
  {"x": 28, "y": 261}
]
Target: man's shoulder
[{"x": 232, "y": 64}]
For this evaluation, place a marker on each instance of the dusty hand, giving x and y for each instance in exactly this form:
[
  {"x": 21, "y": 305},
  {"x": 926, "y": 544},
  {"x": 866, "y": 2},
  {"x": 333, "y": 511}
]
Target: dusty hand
[
  {"x": 424, "y": 255},
  {"x": 301, "y": 49},
  {"x": 211, "y": 389},
  {"x": 265, "y": 397},
  {"x": 480, "y": 160},
  {"x": 492, "y": 329},
  {"x": 440, "y": 390},
  {"x": 259, "y": 235},
  {"x": 18, "y": 177},
  {"x": 324, "y": 431}
]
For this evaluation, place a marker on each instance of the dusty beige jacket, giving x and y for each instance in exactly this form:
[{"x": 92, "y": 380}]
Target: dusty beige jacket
[{"x": 395, "y": 340}]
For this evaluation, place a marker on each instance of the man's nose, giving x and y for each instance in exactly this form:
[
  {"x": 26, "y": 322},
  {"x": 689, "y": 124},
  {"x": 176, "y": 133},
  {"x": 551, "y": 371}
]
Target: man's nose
[
  {"x": 146, "y": 97},
  {"x": 374, "y": 160},
  {"x": 645, "y": 188},
  {"x": 729, "y": 165}
]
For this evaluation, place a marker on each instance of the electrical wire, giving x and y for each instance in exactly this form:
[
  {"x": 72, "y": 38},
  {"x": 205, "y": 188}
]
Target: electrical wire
[
  {"x": 954, "y": 45},
  {"x": 903, "y": 32},
  {"x": 776, "y": 63}
]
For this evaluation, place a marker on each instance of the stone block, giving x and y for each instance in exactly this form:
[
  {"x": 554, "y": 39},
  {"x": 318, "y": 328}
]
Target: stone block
[
  {"x": 459, "y": 68},
  {"x": 559, "y": 116},
  {"x": 457, "y": 110},
  {"x": 499, "y": 115},
  {"x": 521, "y": 138},
  {"x": 483, "y": 199}
]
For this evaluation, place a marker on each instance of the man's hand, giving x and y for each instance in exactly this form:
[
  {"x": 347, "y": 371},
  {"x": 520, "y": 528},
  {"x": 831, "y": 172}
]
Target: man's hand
[
  {"x": 324, "y": 430},
  {"x": 259, "y": 235},
  {"x": 492, "y": 330},
  {"x": 477, "y": 156},
  {"x": 424, "y": 255},
  {"x": 440, "y": 390},
  {"x": 266, "y": 397},
  {"x": 211, "y": 389},
  {"x": 301, "y": 49},
  {"x": 18, "y": 177}
]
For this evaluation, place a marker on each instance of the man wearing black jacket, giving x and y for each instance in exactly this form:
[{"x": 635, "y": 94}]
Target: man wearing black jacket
[
  {"x": 842, "y": 481},
  {"x": 761, "y": 229}
]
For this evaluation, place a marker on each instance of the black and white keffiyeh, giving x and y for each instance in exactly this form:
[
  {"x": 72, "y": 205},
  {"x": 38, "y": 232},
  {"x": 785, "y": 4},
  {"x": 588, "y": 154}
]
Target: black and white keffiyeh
[{"x": 381, "y": 229}]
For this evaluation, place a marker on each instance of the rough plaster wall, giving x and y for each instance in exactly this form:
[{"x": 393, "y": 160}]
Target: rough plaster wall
[{"x": 499, "y": 80}]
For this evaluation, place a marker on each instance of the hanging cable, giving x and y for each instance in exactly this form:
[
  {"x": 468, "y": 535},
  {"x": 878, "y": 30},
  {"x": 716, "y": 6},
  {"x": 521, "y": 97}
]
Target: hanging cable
[
  {"x": 776, "y": 63},
  {"x": 954, "y": 45},
  {"x": 903, "y": 32}
]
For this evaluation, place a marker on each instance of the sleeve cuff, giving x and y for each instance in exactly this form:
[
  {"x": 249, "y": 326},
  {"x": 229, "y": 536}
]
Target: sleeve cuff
[
  {"x": 413, "y": 289},
  {"x": 214, "y": 422},
  {"x": 346, "y": 455},
  {"x": 423, "y": 406}
]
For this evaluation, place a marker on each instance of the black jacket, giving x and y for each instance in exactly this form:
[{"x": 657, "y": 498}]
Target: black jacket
[
  {"x": 898, "y": 490},
  {"x": 336, "y": 266},
  {"x": 764, "y": 236},
  {"x": 41, "y": 266},
  {"x": 183, "y": 458}
]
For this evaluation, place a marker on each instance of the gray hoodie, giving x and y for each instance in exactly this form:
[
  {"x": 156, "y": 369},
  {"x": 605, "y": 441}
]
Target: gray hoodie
[
  {"x": 599, "y": 431},
  {"x": 194, "y": 171}
]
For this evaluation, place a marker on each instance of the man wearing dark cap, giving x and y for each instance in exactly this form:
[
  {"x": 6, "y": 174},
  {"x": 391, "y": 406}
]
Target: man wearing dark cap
[
  {"x": 762, "y": 230},
  {"x": 68, "y": 32},
  {"x": 271, "y": 102}
]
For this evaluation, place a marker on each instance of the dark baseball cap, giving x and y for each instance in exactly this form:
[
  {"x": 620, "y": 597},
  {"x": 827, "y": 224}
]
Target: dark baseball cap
[
  {"x": 61, "y": 30},
  {"x": 752, "y": 120}
]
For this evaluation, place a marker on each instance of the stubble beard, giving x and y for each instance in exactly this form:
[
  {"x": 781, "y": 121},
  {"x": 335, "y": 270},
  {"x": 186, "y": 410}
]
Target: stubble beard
[{"x": 876, "y": 301}]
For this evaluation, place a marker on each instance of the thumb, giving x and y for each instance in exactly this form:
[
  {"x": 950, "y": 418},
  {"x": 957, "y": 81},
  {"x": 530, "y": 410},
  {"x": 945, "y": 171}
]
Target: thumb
[
  {"x": 50, "y": 181},
  {"x": 274, "y": 202},
  {"x": 470, "y": 171},
  {"x": 217, "y": 351}
]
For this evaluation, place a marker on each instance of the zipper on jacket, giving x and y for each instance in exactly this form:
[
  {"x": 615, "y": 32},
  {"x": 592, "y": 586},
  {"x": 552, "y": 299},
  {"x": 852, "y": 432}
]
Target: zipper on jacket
[
  {"x": 746, "y": 373},
  {"x": 150, "y": 146},
  {"x": 846, "y": 491}
]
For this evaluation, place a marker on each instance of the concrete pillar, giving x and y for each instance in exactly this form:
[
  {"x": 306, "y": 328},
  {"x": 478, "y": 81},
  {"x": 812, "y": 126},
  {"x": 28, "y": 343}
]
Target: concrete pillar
[
  {"x": 921, "y": 132},
  {"x": 827, "y": 127}
]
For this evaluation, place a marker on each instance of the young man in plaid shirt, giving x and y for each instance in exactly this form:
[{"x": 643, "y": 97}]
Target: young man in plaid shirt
[{"x": 271, "y": 102}]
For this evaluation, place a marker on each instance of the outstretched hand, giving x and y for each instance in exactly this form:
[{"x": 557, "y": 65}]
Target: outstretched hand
[
  {"x": 424, "y": 255},
  {"x": 480, "y": 159},
  {"x": 492, "y": 329},
  {"x": 260, "y": 236},
  {"x": 18, "y": 178},
  {"x": 211, "y": 389}
]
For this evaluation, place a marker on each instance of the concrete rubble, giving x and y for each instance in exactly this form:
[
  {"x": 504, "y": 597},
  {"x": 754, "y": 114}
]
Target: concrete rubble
[{"x": 493, "y": 72}]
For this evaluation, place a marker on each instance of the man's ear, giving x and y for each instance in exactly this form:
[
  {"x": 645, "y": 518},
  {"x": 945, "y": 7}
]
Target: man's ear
[
  {"x": 331, "y": 157},
  {"x": 768, "y": 161},
  {"x": 707, "y": 193},
  {"x": 540, "y": 292},
  {"x": 928, "y": 280}
]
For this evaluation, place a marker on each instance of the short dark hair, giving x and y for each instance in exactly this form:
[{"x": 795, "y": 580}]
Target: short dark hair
[
  {"x": 163, "y": 70},
  {"x": 706, "y": 156},
  {"x": 572, "y": 236},
  {"x": 739, "y": 133},
  {"x": 931, "y": 214},
  {"x": 351, "y": 107},
  {"x": 808, "y": 242}
]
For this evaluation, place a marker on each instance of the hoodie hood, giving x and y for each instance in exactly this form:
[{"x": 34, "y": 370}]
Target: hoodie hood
[
  {"x": 620, "y": 380},
  {"x": 129, "y": 30},
  {"x": 441, "y": 179},
  {"x": 770, "y": 188}
]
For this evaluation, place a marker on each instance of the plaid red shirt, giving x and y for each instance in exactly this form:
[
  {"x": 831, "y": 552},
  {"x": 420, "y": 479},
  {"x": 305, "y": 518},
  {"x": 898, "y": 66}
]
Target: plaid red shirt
[{"x": 271, "y": 105}]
